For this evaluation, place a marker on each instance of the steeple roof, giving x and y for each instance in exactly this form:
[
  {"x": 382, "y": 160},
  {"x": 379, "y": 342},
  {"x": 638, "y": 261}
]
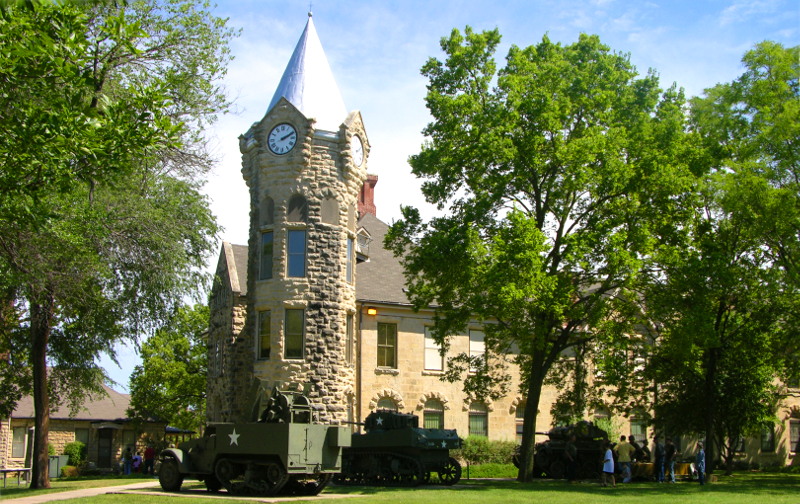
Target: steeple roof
[{"x": 309, "y": 85}]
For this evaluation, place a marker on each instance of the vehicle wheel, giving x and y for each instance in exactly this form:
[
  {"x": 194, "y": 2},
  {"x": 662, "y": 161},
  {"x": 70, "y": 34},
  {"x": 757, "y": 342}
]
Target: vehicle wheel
[
  {"x": 169, "y": 475},
  {"x": 212, "y": 483},
  {"x": 556, "y": 470},
  {"x": 450, "y": 472}
]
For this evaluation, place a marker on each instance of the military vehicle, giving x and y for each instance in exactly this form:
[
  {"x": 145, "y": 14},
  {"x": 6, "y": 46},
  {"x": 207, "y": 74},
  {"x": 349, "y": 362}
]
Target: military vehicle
[
  {"x": 549, "y": 461},
  {"x": 395, "y": 451},
  {"x": 284, "y": 449}
]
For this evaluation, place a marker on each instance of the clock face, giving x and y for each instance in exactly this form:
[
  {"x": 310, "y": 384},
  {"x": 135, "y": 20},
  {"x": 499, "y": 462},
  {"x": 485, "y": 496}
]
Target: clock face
[
  {"x": 282, "y": 138},
  {"x": 357, "y": 149}
]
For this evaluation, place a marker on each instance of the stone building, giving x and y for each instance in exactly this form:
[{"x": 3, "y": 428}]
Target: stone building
[{"x": 315, "y": 298}]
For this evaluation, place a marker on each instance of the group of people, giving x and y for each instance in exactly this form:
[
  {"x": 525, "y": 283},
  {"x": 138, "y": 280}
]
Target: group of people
[
  {"x": 665, "y": 456},
  {"x": 135, "y": 463}
]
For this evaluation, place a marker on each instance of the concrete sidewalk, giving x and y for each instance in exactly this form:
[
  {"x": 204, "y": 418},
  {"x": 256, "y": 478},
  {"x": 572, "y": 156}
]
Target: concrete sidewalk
[
  {"x": 197, "y": 494},
  {"x": 84, "y": 492}
]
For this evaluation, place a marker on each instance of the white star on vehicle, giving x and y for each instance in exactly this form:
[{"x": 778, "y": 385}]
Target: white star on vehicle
[
  {"x": 234, "y": 438},
  {"x": 379, "y": 421},
  {"x": 444, "y": 444}
]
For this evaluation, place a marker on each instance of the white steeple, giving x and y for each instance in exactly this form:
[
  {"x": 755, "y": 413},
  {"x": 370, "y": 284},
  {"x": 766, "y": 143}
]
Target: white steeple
[{"x": 308, "y": 83}]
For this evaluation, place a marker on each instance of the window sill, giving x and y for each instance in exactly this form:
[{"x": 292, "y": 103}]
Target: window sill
[
  {"x": 387, "y": 371},
  {"x": 432, "y": 372}
]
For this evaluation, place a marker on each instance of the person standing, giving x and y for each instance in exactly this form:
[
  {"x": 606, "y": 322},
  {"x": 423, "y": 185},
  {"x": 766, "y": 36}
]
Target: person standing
[
  {"x": 624, "y": 453},
  {"x": 571, "y": 457},
  {"x": 149, "y": 459},
  {"x": 670, "y": 453},
  {"x": 700, "y": 464},
  {"x": 659, "y": 452},
  {"x": 127, "y": 459},
  {"x": 608, "y": 466}
]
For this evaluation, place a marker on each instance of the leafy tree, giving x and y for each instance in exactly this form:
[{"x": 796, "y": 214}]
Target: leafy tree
[
  {"x": 728, "y": 296},
  {"x": 170, "y": 384},
  {"x": 102, "y": 226},
  {"x": 558, "y": 182}
]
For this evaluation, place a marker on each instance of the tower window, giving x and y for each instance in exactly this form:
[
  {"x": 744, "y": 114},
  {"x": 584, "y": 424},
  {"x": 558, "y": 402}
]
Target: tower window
[
  {"x": 350, "y": 343},
  {"x": 296, "y": 253},
  {"x": 350, "y": 260},
  {"x": 264, "y": 334},
  {"x": 265, "y": 268},
  {"x": 294, "y": 334},
  {"x": 298, "y": 209},
  {"x": 387, "y": 345}
]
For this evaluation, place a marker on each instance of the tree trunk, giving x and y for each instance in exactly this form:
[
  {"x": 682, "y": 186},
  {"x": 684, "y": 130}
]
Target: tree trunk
[
  {"x": 711, "y": 403},
  {"x": 41, "y": 324},
  {"x": 529, "y": 422}
]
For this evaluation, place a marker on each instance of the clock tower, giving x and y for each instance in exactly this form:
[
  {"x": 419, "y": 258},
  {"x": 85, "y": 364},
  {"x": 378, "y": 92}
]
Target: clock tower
[{"x": 304, "y": 164}]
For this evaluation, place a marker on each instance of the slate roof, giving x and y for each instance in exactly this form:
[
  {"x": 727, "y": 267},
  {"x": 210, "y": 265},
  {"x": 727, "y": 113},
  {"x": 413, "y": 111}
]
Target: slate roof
[
  {"x": 111, "y": 407},
  {"x": 379, "y": 280},
  {"x": 309, "y": 85}
]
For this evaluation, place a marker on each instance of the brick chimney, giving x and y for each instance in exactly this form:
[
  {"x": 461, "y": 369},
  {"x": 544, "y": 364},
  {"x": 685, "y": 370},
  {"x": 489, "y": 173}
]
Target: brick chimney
[{"x": 366, "y": 198}]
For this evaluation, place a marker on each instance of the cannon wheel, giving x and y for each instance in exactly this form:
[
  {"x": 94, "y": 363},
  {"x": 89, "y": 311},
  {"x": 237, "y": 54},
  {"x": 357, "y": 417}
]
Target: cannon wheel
[
  {"x": 169, "y": 475},
  {"x": 450, "y": 473}
]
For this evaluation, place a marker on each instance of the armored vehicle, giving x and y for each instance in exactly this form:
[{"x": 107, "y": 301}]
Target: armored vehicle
[
  {"x": 549, "y": 460},
  {"x": 284, "y": 450},
  {"x": 395, "y": 451}
]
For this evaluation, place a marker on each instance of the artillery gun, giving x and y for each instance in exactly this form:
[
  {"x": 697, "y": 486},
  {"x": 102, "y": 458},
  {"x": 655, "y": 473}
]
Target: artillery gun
[
  {"x": 283, "y": 449},
  {"x": 395, "y": 451},
  {"x": 549, "y": 460}
]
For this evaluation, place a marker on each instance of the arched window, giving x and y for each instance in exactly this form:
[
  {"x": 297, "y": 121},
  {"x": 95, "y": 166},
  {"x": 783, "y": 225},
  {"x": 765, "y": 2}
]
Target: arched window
[
  {"x": 387, "y": 403},
  {"x": 330, "y": 210},
  {"x": 433, "y": 414},
  {"x": 478, "y": 419},
  {"x": 267, "y": 211},
  {"x": 298, "y": 209}
]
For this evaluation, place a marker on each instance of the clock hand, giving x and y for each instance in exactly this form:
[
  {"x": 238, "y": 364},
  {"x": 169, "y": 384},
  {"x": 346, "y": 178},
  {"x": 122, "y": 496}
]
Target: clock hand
[{"x": 287, "y": 136}]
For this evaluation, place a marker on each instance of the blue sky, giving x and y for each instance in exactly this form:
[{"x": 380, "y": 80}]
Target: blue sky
[{"x": 376, "y": 48}]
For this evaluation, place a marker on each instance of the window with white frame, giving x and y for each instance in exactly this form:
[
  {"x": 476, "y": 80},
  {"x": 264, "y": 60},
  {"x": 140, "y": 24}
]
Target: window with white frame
[
  {"x": 477, "y": 348},
  {"x": 387, "y": 345},
  {"x": 434, "y": 361},
  {"x": 794, "y": 436},
  {"x": 18, "y": 442}
]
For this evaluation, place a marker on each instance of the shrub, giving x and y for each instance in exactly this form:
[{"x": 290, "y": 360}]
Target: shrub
[
  {"x": 69, "y": 471},
  {"x": 76, "y": 451},
  {"x": 490, "y": 471},
  {"x": 479, "y": 450}
]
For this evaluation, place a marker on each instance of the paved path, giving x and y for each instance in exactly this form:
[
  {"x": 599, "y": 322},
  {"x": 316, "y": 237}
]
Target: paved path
[
  {"x": 84, "y": 492},
  {"x": 133, "y": 487}
]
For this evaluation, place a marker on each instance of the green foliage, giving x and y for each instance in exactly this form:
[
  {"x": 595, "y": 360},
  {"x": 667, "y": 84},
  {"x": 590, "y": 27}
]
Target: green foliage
[
  {"x": 103, "y": 229},
  {"x": 490, "y": 470},
  {"x": 559, "y": 183},
  {"x": 76, "y": 451},
  {"x": 51, "y": 450},
  {"x": 726, "y": 295},
  {"x": 170, "y": 384},
  {"x": 480, "y": 450},
  {"x": 70, "y": 471}
]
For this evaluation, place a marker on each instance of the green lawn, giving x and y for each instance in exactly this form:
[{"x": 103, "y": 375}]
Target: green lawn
[
  {"x": 62, "y": 485},
  {"x": 742, "y": 488}
]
